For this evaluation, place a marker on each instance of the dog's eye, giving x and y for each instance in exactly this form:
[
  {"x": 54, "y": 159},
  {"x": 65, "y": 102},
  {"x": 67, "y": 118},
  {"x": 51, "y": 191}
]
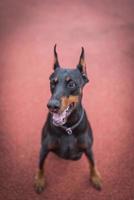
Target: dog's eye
[{"x": 71, "y": 85}]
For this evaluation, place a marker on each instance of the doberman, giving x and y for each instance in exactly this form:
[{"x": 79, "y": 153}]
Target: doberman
[{"x": 67, "y": 131}]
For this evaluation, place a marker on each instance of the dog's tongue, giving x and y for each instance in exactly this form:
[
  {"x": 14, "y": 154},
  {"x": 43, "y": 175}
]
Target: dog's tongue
[{"x": 61, "y": 118}]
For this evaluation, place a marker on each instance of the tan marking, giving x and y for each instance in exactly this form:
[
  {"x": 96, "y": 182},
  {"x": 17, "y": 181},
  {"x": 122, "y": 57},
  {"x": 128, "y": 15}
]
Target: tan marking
[
  {"x": 82, "y": 145},
  {"x": 95, "y": 177},
  {"x": 39, "y": 181},
  {"x": 66, "y": 101},
  {"x": 52, "y": 146}
]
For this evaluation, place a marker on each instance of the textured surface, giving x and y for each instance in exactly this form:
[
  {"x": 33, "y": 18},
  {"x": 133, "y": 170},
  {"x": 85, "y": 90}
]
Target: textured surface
[{"x": 28, "y": 32}]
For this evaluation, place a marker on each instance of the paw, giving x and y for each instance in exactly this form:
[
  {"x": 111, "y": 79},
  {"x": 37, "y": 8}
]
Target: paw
[
  {"x": 39, "y": 184},
  {"x": 96, "y": 181}
]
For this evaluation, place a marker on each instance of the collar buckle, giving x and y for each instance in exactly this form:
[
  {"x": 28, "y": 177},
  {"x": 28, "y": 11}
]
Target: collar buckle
[{"x": 69, "y": 131}]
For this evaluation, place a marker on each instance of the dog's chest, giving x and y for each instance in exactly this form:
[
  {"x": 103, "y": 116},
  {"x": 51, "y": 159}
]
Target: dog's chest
[{"x": 68, "y": 148}]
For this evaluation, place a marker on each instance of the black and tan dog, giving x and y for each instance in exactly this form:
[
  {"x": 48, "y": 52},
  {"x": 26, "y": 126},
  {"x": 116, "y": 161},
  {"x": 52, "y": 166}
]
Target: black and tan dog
[{"x": 67, "y": 131}]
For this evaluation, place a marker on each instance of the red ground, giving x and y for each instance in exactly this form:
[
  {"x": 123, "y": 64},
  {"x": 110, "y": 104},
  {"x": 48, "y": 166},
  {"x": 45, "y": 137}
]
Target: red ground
[{"x": 29, "y": 30}]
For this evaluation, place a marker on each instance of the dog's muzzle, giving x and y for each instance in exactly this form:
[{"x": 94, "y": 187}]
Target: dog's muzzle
[{"x": 59, "y": 119}]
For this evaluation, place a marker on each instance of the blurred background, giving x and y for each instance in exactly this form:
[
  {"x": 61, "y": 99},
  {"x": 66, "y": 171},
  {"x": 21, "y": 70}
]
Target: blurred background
[{"x": 28, "y": 31}]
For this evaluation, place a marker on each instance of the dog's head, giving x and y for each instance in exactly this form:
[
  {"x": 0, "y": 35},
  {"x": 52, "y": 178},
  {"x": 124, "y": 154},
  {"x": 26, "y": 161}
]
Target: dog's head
[{"x": 66, "y": 87}]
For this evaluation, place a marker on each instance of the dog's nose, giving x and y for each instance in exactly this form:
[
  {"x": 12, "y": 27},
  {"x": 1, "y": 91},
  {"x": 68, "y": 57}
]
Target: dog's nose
[{"x": 53, "y": 105}]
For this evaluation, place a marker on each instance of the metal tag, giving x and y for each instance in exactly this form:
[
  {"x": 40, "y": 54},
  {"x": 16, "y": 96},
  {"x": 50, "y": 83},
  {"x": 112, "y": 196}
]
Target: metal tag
[{"x": 69, "y": 131}]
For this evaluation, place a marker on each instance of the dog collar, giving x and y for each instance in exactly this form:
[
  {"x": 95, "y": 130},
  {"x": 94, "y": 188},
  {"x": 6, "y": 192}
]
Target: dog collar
[{"x": 70, "y": 129}]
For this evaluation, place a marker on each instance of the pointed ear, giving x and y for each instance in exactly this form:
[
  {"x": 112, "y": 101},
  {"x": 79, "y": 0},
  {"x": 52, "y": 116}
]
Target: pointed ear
[
  {"x": 82, "y": 66},
  {"x": 56, "y": 62}
]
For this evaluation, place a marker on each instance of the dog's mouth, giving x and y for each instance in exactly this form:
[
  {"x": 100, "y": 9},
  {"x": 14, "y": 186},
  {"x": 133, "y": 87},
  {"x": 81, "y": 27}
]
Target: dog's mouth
[{"x": 60, "y": 118}]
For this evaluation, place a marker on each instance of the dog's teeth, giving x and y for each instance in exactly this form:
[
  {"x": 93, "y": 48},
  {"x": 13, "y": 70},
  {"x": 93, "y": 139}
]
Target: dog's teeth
[{"x": 67, "y": 109}]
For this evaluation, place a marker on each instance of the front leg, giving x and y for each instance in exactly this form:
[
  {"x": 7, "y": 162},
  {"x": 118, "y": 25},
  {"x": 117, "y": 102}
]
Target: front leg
[
  {"x": 39, "y": 178},
  {"x": 94, "y": 174}
]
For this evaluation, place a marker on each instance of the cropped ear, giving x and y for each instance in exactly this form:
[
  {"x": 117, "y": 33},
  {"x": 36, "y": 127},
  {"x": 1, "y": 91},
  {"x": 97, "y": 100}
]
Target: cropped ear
[
  {"x": 56, "y": 62},
  {"x": 82, "y": 66}
]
